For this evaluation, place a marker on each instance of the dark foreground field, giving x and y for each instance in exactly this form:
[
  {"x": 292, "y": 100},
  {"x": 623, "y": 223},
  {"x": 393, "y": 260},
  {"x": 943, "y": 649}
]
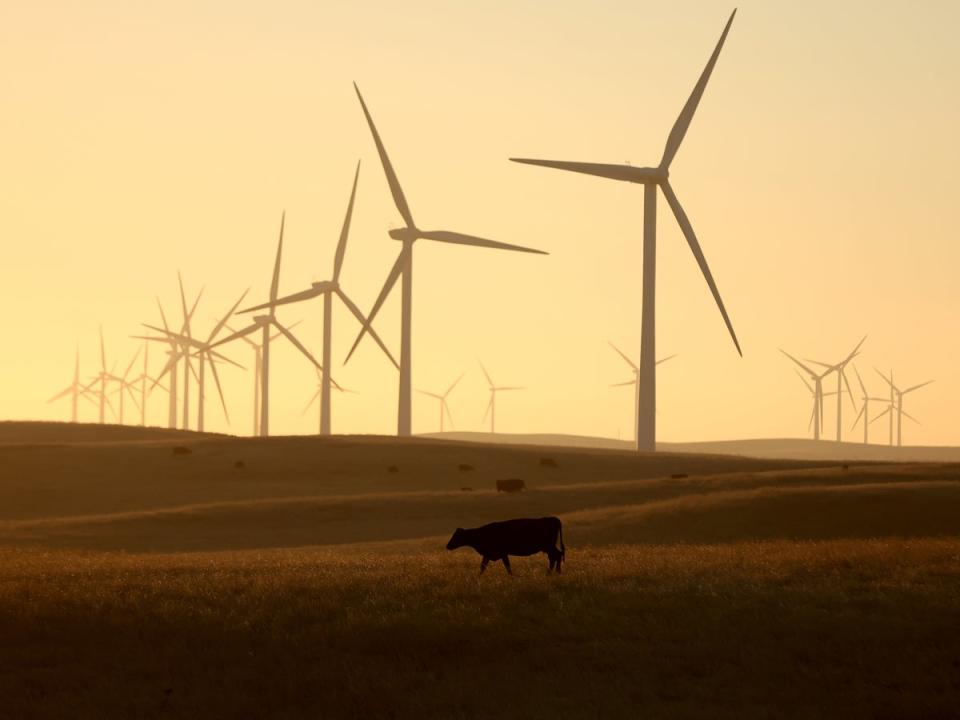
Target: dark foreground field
[{"x": 313, "y": 583}]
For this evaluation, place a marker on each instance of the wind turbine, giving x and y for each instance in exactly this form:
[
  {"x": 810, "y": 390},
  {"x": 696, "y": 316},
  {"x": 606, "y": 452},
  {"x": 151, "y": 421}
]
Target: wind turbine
[
  {"x": 442, "y": 397},
  {"x": 817, "y": 379},
  {"x": 103, "y": 377},
  {"x": 74, "y": 389},
  {"x": 264, "y": 323},
  {"x": 840, "y": 369},
  {"x": 409, "y": 234},
  {"x": 635, "y": 382},
  {"x": 328, "y": 289},
  {"x": 185, "y": 351},
  {"x": 898, "y": 405},
  {"x": 258, "y": 372},
  {"x": 652, "y": 179},
  {"x": 865, "y": 408},
  {"x": 204, "y": 352},
  {"x": 321, "y": 380},
  {"x": 126, "y": 386},
  {"x": 492, "y": 405},
  {"x": 817, "y": 400}
]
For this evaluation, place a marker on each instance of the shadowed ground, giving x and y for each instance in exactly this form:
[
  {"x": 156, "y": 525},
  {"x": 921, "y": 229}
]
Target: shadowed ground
[{"x": 311, "y": 582}]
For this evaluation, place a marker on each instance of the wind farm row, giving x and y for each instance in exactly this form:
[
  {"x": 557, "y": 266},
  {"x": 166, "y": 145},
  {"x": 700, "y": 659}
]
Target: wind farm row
[{"x": 190, "y": 355}]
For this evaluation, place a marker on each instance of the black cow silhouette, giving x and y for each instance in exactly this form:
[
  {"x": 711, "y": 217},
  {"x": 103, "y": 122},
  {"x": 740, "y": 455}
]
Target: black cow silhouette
[{"x": 523, "y": 536}]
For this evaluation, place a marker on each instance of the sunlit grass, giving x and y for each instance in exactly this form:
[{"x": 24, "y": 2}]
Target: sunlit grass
[{"x": 840, "y": 628}]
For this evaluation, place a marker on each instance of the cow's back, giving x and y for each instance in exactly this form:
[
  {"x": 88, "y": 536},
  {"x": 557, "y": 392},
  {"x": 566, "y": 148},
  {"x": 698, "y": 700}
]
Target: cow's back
[{"x": 522, "y": 536}]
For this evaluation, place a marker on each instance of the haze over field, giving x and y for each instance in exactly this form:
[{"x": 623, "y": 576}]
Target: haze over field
[{"x": 819, "y": 174}]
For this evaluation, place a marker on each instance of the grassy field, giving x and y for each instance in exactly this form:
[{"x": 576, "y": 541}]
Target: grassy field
[{"x": 312, "y": 583}]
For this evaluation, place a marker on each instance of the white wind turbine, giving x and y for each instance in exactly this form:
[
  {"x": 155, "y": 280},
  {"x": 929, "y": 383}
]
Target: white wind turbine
[
  {"x": 896, "y": 405},
  {"x": 864, "y": 413},
  {"x": 442, "y": 398},
  {"x": 103, "y": 377},
  {"x": 126, "y": 386},
  {"x": 652, "y": 179},
  {"x": 264, "y": 323},
  {"x": 840, "y": 369},
  {"x": 175, "y": 352},
  {"x": 492, "y": 405},
  {"x": 328, "y": 289},
  {"x": 817, "y": 380},
  {"x": 203, "y": 350},
  {"x": 817, "y": 400},
  {"x": 409, "y": 234},
  {"x": 635, "y": 382},
  {"x": 75, "y": 389},
  {"x": 321, "y": 381}
]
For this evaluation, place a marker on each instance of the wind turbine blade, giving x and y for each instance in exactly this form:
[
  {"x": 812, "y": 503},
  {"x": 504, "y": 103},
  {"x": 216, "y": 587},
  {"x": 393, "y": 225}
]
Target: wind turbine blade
[
  {"x": 446, "y": 409},
  {"x": 130, "y": 366},
  {"x": 486, "y": 375},
  {"x": 804, "y": 380},
  {"x": 500, "y": 389},
  {"x": 103, "y": 352},
  {"x": 624, "y": 384},
  {"x": 813, "y": 415},
  {"x": 430, "y": 394},
  {"x": 668, "y": 357},
  {"x": 916, "y": 387},
  {"x": 186, "y": 330},
  {"x": 889, "y": 408},
  {"x": 296, "y": 297},
  {"x": 863, "y": 409},
  {"x": 366, "y": 325},
  {"x": 297, "y": 344},
  {"x": 453, "y": 385},
  {"x": 811, "y": 372},
  {"x": 688, "y": 233},
  {"x": 275, "y": 283},
  {"x": 216, "y": 381},
  {"x": 171, "y": 364},
  {"x": 61, "y": 394},
  {"x": 277, "y": 334},
  {"x": 238, "y": 334},
  {"x": 860, "y": 380},
  {"x": 399, "y": 200},
  {"x": 910, "y": 417},
  {"x": 132, "y": 394},
  {"x": 461, "y": 239},
  {"x": 624, "y": 356},
  {"x": 312, "y": 401},
  {"x": 686, "y": 115},
  {"x": 855, "y": 351},
  {"x": 345, "y": 230},
  {"x": 846, "y": 382},
  {"x": 223, "y": 321},
  {"x": 384, "y": 292},
  {"x": 624, "y": 173},
  {"x": 250, "y": 342},
  {"x": 183, "y": 304},
  {"x": 887, "y": 380}
]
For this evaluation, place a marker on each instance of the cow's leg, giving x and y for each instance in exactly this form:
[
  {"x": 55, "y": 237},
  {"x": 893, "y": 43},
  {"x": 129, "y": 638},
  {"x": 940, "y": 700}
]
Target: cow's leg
[
  {"x": 483, "y": 564},
  {"x": 553, "y": 559},
  {"x": 506, "y": 564}
]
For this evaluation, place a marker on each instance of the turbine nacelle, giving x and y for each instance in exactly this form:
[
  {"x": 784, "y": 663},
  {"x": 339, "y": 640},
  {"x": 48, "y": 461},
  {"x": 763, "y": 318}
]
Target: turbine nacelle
[
  {"x": 325, "y": 286},
  {"x": 404, "y": 233}
]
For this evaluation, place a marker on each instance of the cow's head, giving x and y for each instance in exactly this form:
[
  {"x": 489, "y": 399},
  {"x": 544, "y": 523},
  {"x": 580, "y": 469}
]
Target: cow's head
[{"x": 456, "y": 540}]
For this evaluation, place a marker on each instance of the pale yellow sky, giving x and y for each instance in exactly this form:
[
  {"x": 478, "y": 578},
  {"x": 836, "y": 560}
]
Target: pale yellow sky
[{"x": 819, "y": 173}]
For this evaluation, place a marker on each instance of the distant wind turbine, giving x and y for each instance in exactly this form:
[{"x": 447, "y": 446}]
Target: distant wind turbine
[
  {"x": 492, "y": 405},
  {"x": 817, "y": 380},
  {"x": 840, "y": 369},
  {"x": 204, "y": 353},
  {"x": 409, "y": 234},
  {"x": 125, "y": 386},
  {"x": 321, "y": 381},
  {"x": 75, "y": 389},
  {"x": 817, "y": 400},
  {"x": 897, "y": 394},
  {"x": 328, "y": 289},
  {"x": 864, "y": 413},
  {"x": 264, "y": 323},
  {"x": 652, "y": 179},
  {"x": 635, "y": 382},
  {"x": 442, "y": 398}
]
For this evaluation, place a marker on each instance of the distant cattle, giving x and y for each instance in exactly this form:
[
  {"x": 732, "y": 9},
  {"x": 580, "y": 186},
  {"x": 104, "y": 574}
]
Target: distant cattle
[
  {"x": 548, "y": 462},
  {"x": 524, "y": 536},
  {"x": 511, "y": 485},
  {"x": 180, "y": 450}
]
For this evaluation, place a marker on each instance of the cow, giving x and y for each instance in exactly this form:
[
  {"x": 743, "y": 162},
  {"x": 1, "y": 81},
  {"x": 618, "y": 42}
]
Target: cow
[
  {"x": 523, "y": 536},
  {"x": 511, "y": 485}
]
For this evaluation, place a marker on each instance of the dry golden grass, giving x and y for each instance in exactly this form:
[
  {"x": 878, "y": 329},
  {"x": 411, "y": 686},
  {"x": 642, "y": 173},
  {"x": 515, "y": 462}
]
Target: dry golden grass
[
  {"x": 136, "y": 583},
  {"x": 841, "y": 629}
]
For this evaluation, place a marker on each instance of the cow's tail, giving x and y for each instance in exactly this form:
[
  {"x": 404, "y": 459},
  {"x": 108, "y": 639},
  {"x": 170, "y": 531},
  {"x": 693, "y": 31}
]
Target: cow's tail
[{"x": 563, "y": 548}]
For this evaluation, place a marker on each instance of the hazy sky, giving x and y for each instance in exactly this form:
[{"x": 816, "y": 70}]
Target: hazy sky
[{"x": 820, "y": 173}]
